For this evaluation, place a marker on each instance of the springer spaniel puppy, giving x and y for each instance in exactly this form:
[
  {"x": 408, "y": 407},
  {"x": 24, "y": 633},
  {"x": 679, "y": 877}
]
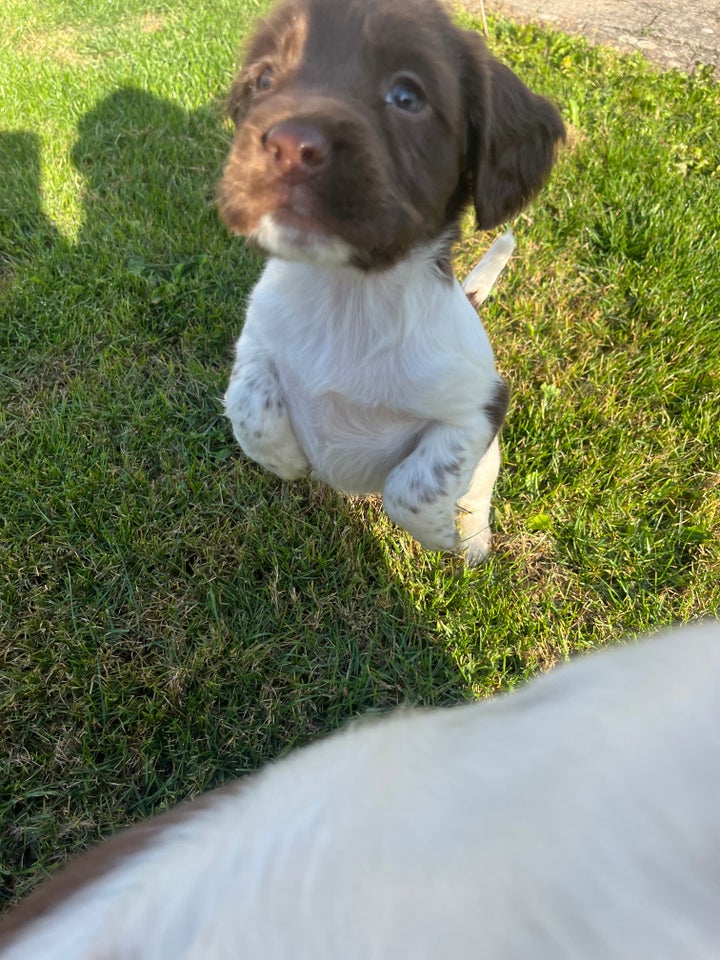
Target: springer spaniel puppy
[
  {"x": 363, "y": 129},
  {"x": 575, "y": 819}
]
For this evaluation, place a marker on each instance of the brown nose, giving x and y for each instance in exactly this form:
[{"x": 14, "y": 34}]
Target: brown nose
[{"x": 297, "y": 150}]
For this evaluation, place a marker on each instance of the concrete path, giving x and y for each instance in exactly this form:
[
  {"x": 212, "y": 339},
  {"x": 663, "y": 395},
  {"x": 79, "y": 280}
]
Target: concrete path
[{"x": 670, "y": 33}]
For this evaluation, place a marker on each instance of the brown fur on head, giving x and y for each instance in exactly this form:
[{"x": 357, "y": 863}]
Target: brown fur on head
[
  {"x": 513, "y": 137},
  {"x": 372, "y": 123}
]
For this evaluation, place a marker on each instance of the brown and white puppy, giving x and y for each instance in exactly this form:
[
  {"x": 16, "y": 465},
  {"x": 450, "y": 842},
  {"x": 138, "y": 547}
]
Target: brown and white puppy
[
  {"x": 575, "y": 818},
  {"x": 363, "y": 129}
]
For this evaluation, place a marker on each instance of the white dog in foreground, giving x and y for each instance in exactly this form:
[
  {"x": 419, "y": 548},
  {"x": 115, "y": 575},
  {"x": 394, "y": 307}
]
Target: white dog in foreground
[{"x": 576, "y": 819}]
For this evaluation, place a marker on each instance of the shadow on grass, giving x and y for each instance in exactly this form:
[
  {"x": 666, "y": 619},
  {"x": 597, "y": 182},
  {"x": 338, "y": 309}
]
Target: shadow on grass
[
  {"x": 177, "y": 616},
  {"x": 26, "y": 234}
]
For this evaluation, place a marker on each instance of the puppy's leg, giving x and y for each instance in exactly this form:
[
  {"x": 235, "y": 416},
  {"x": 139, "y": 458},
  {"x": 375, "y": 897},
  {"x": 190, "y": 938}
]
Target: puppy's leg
[
  {"x": 257, "y": 409},
  {"x": 421, "y": 493},
  {"x": 474, "y": 507}
]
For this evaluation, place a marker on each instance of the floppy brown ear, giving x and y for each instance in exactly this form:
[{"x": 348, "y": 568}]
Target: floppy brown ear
[{"x": 513, "y": 135}]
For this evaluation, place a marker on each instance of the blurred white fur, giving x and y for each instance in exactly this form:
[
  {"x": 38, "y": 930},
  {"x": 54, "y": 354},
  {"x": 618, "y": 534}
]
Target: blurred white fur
[
  {"x": 479, "y": 282},
  {"x": 575, "y": 819}
]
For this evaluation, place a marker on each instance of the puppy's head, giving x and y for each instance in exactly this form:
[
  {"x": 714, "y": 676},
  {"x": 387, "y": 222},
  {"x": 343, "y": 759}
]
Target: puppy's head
[{"x": 364, "y": 126}]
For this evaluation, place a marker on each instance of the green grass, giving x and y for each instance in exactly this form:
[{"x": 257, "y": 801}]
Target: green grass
[{"x": 171, "y": 616}]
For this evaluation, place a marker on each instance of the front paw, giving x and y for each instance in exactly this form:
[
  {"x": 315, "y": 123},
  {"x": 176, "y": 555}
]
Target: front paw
[
  {"x": 261, "y": 425},
  {"x": 285, "y": 469},
  {"x": 276, "y": 451},
  {"x": 433, "y": 527}
]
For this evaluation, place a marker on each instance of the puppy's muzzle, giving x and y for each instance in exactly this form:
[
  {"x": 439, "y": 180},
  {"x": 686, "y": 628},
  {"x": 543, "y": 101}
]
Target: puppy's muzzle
[{"x": 296, "y": 150}]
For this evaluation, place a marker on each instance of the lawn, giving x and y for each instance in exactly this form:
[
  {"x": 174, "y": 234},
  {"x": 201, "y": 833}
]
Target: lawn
[{"x": 170, "y": 615}]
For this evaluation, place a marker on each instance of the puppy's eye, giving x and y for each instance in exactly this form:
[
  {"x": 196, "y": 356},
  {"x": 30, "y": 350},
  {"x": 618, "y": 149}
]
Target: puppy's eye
[
  {"x": 406, "y": 94},
  {"x": 265, "y": 80}
]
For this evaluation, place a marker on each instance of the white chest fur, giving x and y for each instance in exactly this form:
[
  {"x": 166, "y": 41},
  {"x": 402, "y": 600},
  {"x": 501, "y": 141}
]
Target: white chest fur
[{"x": 349, "y": 373}]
